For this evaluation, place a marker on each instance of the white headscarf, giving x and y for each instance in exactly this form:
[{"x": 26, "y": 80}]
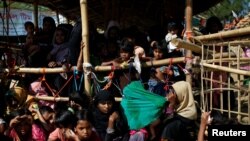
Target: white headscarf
[{"x": 186, "y": 106}]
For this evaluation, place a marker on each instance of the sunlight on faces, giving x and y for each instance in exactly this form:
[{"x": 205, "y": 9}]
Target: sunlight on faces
[{"x": 83, "y": 129}]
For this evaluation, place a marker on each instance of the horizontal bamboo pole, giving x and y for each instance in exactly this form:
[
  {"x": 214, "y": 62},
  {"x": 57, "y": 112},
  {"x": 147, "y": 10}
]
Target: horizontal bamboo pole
[
  {"x": 226, "y": 69},
  {"x": 97, "y": 68},
  {"x": 226, "y": 60},
  {"x": 224, "y": 34},
  {"x": 189, "y": 46},
  {"x": 65, "y": 99},
  {"x": 232, "y": 43},
  {"x": 51, "y": 98},
  {"x": 146, "y": 64},
  {"x": 223, "y": 55}
]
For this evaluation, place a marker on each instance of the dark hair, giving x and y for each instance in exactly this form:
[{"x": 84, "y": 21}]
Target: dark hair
[
  {"x": 103, "y": 95},
  {"x": 51, "y": 21},
  {"x": 44, "y": 109},
  {"x": 172, "y": 26},
  {"x": 84, "y": 114},
  {"x": 64, "y": 119},
  {"x": 81, "y": 99},
  {"x": 29, "y": 23},
  {"x": 220, "y": 119},
  {"x": 213, "y": 20},
  {"x": 127, "y": 45}
]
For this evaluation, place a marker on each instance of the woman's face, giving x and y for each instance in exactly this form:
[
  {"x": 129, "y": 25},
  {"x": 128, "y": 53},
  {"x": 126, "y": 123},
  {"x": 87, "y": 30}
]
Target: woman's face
[
  {"x": 59, "y": 37},
  {"x": 105, "y": 106},
  {"x": 158, "y": 54},
  {"x": 125, "y": 56},
  {"x": 83, "y": 129}
]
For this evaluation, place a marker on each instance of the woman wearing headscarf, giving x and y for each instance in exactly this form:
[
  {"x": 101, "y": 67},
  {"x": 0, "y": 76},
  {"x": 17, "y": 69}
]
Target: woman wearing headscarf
[
  {"x": 109, "y": 121},
  {"x": 177, "y": 128}
]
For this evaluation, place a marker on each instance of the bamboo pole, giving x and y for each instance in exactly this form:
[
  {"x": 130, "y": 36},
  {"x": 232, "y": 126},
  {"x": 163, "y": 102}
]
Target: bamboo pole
[
  {"x": 51, "y": 98},
  {"x": 224, "y": 34},
  {"x": 97, "y": 68},
  {"x": 85, "y": 39},
  {"x": 146, "y": 64},
  {"x": 63, "y": 99},
  {"x": 35, "y": 4},
  {"x": 189, "y": 34},
  {"x": 179, "y": 43},
  {"x": 226, "y": 69}
]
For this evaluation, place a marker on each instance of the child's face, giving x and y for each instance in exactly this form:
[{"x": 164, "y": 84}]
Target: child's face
[
  {"x": 248, "y": 53},
  {"x": 83, "y": 129},
  {"x": 48, "y": 117},
  {"x": 29, "y": 29},
  {"x": 105, "y": 106},
  {"x": 158, "y": 54},
  {"x": 24, "y": 127},
  {"x": 125, "y": 56},
  {"x": 59, "y": 36}
]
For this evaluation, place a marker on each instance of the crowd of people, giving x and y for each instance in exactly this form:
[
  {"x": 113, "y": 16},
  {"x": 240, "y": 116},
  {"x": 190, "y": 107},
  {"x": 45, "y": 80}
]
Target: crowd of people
[{"x": 157, "y": 103}]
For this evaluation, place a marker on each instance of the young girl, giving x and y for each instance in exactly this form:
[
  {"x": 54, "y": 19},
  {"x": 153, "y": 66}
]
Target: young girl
[
  {"x": 109, "y": 121},
  {"x": 84, "y": 129},
  {"x": 123, "y": 77},
  {"x": 64, "y": 121}
]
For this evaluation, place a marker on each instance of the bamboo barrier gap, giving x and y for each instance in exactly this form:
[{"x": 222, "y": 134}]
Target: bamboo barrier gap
[
  {"x": 244, "y": 42},
  {"x": 85, "y": 39},
  {"x": 189, "y": 34},
  {"x": 224, "y": 34}
]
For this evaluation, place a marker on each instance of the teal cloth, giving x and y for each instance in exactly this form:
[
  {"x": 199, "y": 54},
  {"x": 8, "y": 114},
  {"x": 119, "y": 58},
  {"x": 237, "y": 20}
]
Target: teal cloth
[{"x": 140, "y": 106}]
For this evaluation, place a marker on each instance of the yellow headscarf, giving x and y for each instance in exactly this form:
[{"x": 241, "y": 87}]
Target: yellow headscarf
[{"x": 186, "y": 106}]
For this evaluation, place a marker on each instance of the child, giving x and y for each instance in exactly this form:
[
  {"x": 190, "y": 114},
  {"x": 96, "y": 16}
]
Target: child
[
  {"x": 109, "y": 121},
  {"x": 64, "y": 121},
  {"x": 84, "y": 128},
  {"x": 123, "y": 77}
]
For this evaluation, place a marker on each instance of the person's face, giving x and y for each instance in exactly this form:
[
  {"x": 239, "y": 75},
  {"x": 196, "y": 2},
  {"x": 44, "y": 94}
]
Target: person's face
[
  {"x": 46, "y": 26},
  {"x": 83, "y": 129},
  {"x": 48, "y": 117},
  {"x": 158, "y": 54},
  {"x": 248, "y": 53},
  {"x": 174, "y": 31},
  {"x": 124, "y": 56},
  {"x": 105, "y": 106},
  {"x": 60, "y": 37},
  {"x": 24, "y": 127},
  {"x": 30, "y": 29},
  {"x": 2, "y": 128}
]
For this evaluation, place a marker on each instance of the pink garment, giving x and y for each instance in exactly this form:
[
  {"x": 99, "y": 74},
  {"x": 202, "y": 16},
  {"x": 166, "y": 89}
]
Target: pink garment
[
  {"x": 38, "y": 134},
  {"x": 56, "y": 134},
  {"x": 37, "y": 88}
]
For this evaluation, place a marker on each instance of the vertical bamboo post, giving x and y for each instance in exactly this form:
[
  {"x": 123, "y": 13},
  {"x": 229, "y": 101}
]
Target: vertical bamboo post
[
  {"x": 189, "y": 33},
  {"x": 57, "y": 17},
  {"x": 35, "y": 15},
  {"x": 85, "y": 39}
]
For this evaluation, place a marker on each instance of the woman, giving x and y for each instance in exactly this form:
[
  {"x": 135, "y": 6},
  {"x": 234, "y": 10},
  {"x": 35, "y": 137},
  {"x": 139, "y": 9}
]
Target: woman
[
  {"x": 185, "y": 113},
  {"x": 109, "y": 121}
]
